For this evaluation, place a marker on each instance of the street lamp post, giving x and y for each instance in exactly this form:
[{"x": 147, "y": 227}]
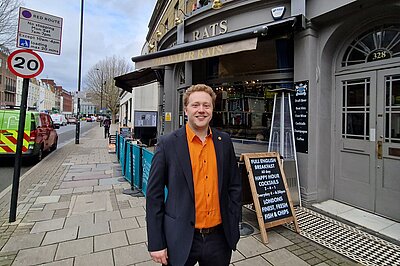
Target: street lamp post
[
  {"x": 78, "y": 126},
  {"x": 101, "y": 92}
]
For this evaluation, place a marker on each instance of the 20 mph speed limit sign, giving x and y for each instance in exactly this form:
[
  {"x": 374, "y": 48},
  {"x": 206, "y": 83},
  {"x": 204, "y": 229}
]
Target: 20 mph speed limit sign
[{"x": 25, "y": 63}]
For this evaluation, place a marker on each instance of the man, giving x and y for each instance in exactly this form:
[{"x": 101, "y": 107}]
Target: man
[
  {"x": 199, "y": 219},
  {"x": 106, "y": 125}
]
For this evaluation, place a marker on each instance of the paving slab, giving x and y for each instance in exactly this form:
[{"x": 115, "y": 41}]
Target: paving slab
[
  {"x": 236, "y": 256},
  {"x": 102, "y": 188},
  {"x": 69, "y": 249},
  {"x": 62, "y": 191},
  {"x": 82, "y": 190},
  {"x": 108, "y": 241},
  {"x": 47, "y": 199},
  {"x": 275, "y": 240},
  {"x": 255, "y": 261},
  {"x": 95, "y": 259},
  {"x": 133, "y": 212},
  {"x": 142, "y": 221},
  {"x": 37, "y": 216},
  {"x": 79, "y": 220},
  {"x": 81, "y": 183},
  {"x": 94, "y": 229},
  {"x": 249, "y": 247},
  {"x": 283, "y": 257},
  {"x": 35, "y": 255},
  {"x": 109, "y": 181},
  {"x": 137, "y": 235},
  {"x": 81, "y": 204},
  {"x": 67, "y": 262},
  {"x": 123, "y": 224},
  {"x": 91, "y": 176},
  {"x": 49, "y": 225},
  {"x": 16, "y": 243},
  {"x": 107, "y": 216},
  {"x": 69, "y": 233},
  {"x": 56, "y": 206},
  {"x": 131, "y": 254}
]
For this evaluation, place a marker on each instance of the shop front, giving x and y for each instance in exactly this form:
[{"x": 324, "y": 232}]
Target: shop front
[{"x": 349, "y": 59}]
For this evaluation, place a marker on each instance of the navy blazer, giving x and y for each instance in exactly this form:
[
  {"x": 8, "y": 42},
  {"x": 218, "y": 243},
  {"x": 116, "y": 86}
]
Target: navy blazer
[{"x": 170, "y": 223}]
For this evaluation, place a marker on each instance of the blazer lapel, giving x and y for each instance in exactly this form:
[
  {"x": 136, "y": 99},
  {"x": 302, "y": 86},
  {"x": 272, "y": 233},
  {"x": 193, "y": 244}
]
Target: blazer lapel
[
  {"x": 182, "y": 149},
  {"x": 218, "y": 146}
]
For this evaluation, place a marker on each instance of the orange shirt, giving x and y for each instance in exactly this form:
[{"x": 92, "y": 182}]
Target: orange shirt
[{"x": 205, "y": 179}]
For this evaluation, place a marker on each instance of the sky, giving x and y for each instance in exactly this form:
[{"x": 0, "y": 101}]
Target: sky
[{"x": 111, "y": 27}]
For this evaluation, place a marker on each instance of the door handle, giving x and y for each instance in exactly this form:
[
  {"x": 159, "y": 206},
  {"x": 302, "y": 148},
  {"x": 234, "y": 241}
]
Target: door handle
[{"x": 379, "y": 150}]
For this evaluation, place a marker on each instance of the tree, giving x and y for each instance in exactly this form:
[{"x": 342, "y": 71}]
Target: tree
[
  {"x": 8, "y": 23},
  {"x": 99, "y": 83}
]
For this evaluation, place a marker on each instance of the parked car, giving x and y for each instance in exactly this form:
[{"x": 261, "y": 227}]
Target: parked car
[
  {"x": 71, "y": 120},
  {"x": 59, "y": 120},
  {"x": 39, "y": 134},
  {"x": 88, "y": 119}
]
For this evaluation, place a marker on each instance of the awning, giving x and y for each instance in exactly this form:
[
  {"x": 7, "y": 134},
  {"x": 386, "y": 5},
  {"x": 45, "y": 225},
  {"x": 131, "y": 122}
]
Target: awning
[
  {"x": 217, "y": 50},
  {"x": 219, "y": 45},
  {"x": 138, "y": 78}
]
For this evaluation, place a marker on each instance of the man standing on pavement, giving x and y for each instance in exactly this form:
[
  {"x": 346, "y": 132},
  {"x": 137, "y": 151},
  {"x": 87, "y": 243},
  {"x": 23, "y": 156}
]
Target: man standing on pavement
[
  {"x": 199, "y": 219},
  {"x": 106, "y": 125}
]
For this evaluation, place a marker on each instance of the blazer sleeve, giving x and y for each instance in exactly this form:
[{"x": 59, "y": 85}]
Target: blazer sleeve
[
  {"x": 155, "y": 200},
  {"x": 235, "y": 184}
]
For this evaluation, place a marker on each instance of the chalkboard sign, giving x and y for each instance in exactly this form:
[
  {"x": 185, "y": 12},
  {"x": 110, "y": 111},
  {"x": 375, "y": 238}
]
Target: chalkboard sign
[
  {"x": 271, "y": 196},
  {"x": 300, "y": 123}
]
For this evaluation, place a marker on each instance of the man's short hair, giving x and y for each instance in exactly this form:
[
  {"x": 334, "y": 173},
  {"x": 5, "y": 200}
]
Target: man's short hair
[{"x": 198, "y": 87}]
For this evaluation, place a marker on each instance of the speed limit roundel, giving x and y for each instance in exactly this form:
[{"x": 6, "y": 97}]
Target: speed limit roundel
[{"x": 25, "y": 63}]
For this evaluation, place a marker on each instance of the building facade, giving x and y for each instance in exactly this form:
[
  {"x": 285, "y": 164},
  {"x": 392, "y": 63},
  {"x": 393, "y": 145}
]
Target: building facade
[
  {"x": 343, "y": 55},
  {"x": 8, "y": 83}
]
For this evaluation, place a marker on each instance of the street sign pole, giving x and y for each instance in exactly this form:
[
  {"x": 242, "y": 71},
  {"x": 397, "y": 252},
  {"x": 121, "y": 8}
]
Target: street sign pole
[
  {"x": 25, "y": 64},
  {"x": 18, "y": 153},
  {"x": 78, "y": 127}
]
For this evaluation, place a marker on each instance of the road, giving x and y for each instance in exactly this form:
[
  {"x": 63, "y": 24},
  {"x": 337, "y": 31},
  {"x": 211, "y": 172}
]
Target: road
[{"x": 66, "y": 134}]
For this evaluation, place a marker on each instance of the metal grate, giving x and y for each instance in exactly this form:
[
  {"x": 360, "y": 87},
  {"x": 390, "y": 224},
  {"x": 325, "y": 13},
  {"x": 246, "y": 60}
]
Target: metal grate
[{"x": 346, "y": 240}]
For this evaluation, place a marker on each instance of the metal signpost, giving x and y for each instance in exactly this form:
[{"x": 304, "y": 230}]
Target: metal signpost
[
  {"x": 25, "y": 64},
  {"x": 39, "y": 31}
]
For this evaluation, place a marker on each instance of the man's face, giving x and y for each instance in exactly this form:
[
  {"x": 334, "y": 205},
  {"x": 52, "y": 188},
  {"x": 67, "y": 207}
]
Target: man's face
[{"x": 199, "y": 110}]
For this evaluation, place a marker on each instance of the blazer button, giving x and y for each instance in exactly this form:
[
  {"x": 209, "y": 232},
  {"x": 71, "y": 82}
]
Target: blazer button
[{"x": 191, "y": 223}]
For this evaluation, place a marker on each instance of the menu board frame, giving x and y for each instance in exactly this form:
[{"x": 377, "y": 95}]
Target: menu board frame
[{"x": 270, "y": 164}]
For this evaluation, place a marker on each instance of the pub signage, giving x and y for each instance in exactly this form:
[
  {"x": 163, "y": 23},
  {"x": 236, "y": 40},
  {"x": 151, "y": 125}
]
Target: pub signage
[
  {"x": 300, "y": 122},
  {"x": 211, "y": 30},
  {"x": 271, "y": 196}
]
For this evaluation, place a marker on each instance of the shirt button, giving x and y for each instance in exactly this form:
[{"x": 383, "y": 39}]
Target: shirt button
[
  {"x": 208, "y": 195},
  {"x": 204, "y": 161},
  {"x": 206, "y": 176}
]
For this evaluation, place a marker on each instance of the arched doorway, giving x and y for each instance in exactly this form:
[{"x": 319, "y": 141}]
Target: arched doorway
[{"x": 367, "y": 122}]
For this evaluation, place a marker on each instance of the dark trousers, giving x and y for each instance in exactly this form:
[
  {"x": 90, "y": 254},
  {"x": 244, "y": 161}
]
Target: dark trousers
[
  {"x": 210, "y": 250},
  {"x": 106, "y": 132}
]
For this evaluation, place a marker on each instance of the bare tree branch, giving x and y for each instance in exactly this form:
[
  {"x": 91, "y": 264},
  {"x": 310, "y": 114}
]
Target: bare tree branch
[
  {"x": 8, "y": 23},
  {"x": 105, "y": 71}
]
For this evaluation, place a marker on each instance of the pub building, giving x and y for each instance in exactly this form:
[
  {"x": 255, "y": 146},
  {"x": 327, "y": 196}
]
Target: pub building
[{"x": 341, "y": 59}]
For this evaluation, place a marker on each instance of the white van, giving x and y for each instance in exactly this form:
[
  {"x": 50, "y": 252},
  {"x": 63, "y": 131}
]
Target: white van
[{"x": 59, "y": 120}]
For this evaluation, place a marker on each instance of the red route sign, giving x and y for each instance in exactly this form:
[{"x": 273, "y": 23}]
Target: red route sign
[{"x": 25, "y": 63}]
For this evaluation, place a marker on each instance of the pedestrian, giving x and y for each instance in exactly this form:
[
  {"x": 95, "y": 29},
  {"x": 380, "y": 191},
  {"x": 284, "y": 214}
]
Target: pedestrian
[
  {"x": 106, "y": 125},
  {"x": 198, "y": 221}
]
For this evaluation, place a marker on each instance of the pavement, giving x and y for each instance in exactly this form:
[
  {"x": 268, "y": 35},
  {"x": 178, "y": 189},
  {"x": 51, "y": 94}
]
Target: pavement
[{"x": 71, "y": 211}]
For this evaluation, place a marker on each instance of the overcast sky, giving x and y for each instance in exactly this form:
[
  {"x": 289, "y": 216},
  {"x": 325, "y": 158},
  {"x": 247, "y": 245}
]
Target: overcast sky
[{"x": 111, "y": 27}]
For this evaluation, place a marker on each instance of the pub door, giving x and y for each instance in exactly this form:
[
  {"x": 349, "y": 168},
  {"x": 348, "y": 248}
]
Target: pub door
[{"x": 367, "y": 156}]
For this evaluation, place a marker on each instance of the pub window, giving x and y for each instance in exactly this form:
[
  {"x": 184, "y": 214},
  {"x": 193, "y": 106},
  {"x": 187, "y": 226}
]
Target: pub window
[
  {"x": 392, "y": 109},
  {"x": 377, "y": 44},
  {"x": 355, "y": 109},
  {"x": 244, "y": 109}
]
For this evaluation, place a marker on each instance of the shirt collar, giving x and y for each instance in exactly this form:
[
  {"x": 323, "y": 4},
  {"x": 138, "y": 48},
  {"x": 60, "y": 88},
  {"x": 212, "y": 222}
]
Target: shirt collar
[{"x": 191, "y": 135}]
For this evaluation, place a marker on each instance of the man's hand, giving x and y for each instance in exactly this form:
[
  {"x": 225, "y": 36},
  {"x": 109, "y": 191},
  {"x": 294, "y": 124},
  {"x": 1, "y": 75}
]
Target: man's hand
[{"x": 160, "y": 256}]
